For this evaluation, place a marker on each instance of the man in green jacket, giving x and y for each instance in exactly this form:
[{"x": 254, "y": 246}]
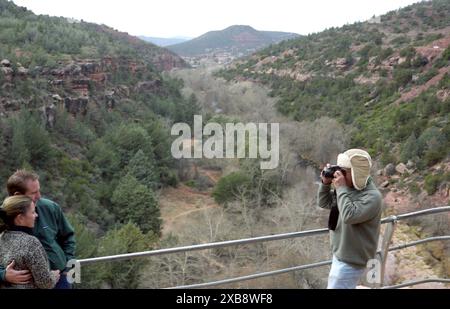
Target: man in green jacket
[
  {"x": 51, "y": 228},
  {"x": 357, "y": 205}
]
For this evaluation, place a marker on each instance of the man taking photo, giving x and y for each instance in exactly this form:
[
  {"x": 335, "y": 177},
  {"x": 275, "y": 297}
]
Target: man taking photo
[{"x": 354, "y": 223}]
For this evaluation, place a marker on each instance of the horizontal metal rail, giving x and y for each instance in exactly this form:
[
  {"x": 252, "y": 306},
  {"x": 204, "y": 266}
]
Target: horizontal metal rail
[
  {"x": 253, "y": 276},
  {"x": 127, "y": 256},
  {"x": 203, "y": 246},
  {"x": 419, "y": 213},
  {"x": 410, "y": 283},
  {"x": 418, "y": 242}
]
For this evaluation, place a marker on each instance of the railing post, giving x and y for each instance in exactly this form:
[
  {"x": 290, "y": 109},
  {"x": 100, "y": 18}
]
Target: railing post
[{"x": 383, "y": 253}]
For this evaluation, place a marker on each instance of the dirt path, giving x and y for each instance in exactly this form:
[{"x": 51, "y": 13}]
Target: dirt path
[
  {"x": 179, "y": 205},
  {"x": 190, "y": 212}
]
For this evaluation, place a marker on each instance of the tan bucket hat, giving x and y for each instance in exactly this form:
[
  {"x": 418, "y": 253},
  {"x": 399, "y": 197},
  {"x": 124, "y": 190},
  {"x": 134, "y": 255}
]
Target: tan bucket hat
[{"x": 360, "y": 162}]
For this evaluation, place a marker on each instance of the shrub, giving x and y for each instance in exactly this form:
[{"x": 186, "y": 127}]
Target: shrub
[
  {"x": 127, "y": 274},
  {"x": 432, "y": 183},
  {"x": 229, "y": 187},
  {"x": 402, "y": 76},
  {"x": 427, "y": 76},
  {"x": 135, "y": 202},
  {"x": 414, "y": 188}
]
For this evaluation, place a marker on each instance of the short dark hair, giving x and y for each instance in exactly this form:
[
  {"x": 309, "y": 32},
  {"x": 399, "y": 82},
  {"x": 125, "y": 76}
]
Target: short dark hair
[{"x": 17, "y": 183}]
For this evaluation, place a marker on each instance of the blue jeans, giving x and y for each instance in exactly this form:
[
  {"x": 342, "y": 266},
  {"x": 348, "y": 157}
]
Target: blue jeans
[
  {"x": 62, "y": 284},
  {"x": 343, "y": 275}
]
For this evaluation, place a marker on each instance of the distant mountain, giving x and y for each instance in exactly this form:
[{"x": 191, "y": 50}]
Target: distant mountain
[
  {"x": 235, "y": 39},
  {"x": 164, "y": 41}
]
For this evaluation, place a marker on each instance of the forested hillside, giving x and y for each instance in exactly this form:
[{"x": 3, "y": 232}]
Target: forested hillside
[
  {"x": 88, "y": 109},
  {"x": 388, "y": 78}
]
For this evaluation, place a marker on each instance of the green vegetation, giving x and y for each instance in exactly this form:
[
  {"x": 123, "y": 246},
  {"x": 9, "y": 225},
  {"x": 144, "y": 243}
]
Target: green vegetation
[
  {"x": 364, "y": 89},
  {"x": 230, "y": 187},
  {"x": 133, "y": 201},
  {"x": 433, "y": 181},
  {"x": 259, "y": 188},
  {"x": 119, "y": 240},
  {"x": 105, "y": 159},
  {"x": 42, "y": 40}
]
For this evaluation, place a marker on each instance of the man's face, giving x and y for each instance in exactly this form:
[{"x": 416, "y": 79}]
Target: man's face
[
  {"x": 33, "y": 190},
  {"x": 348, "y": 177}
]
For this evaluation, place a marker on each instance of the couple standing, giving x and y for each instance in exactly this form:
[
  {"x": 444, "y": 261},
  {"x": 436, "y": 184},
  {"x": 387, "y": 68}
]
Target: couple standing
[{"x": 36, "y": 240}]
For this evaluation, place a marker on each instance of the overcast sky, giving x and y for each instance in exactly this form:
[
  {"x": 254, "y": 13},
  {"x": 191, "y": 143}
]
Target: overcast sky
[{"x": 191, "y": 18}]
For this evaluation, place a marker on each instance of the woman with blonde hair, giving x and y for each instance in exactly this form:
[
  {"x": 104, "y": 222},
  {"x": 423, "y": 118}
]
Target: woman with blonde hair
[{"x": 17, "y": 243}]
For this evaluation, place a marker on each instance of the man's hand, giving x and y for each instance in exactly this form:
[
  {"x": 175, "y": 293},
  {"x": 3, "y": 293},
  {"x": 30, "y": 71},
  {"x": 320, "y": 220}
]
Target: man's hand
[
  {"x": 17, "y": 276},
  {"x": 325, "y": 181},
  {"x": 339, "y": 179},
  {"x": 57, "y": 274}
]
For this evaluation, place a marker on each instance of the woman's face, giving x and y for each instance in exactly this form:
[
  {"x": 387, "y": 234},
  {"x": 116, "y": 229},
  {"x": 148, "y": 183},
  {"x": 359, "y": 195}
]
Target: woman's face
[{"x": 27, "y": 219}]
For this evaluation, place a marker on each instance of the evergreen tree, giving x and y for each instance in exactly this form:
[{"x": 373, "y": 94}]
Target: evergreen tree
[
  {"x": 127, "y": 239},
  {"x": 410, "y": 149},
  {"x": 133, "y": 201},
  {"x": 143, "y": 168}
]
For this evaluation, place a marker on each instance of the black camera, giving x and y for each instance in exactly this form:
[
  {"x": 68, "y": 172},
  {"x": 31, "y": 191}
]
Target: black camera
[{"x": 328, "y": 172}]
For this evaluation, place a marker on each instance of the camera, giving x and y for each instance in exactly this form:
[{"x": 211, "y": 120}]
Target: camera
[{"x": 328, "y": 172}]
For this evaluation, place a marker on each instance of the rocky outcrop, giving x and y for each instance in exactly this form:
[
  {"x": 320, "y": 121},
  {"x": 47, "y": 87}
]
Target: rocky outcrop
[
  {"x": 76, "y": 106},
  {"x": 401, "y": 168},
  {"x": 294, "y": 74},
  {"x": 57, "y": 99},
  {"x": 389, "y": 170},
  {"x": 416, "y": 91},
  {"x": 10, "y": 105},
  {"x": 72, "y": 69},
  {"x": 22, "y": 72},
  {"x": 5, "y": 63},
  {"x": 385, "y": 184},
  {"x": 49, "y": 115},
  {"x": 154, "y": 86},
  {"x": 341, "y": 64},
  {"x": 81, "y": 86},
  {"x": 433, "y": 50},
  {"x": 109, "y": 99},
  {"x": 123, "y": 91},
  {"x": 89, "y": 68},
  {"x": 7, "y": 70},
  {"x": 168, "y": 61},
  {"x": 443, "y": 94},
  {"x": 366, "y": 80},
  {"x": 56, "y": 82},
  {"x": 72, "y": 83}
]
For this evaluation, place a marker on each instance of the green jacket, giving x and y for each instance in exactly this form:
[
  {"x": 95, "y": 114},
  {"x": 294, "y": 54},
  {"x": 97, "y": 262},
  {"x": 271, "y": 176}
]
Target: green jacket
[
  {"x": 55, "y": 233},
  {"x": 355, "y": 239}
]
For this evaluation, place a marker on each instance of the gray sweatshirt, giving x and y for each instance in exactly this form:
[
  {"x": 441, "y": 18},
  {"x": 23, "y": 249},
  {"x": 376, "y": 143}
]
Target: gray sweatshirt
[
  {"x": 355, "y": 239},
  {"x": 28, "y": 254}
]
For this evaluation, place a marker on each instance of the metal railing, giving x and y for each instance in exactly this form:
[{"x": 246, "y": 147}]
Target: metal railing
[
  {"x": 202, "y": 246},
  {"x": 391, "y": 221},
  {"x": 411, "y": 283}
]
